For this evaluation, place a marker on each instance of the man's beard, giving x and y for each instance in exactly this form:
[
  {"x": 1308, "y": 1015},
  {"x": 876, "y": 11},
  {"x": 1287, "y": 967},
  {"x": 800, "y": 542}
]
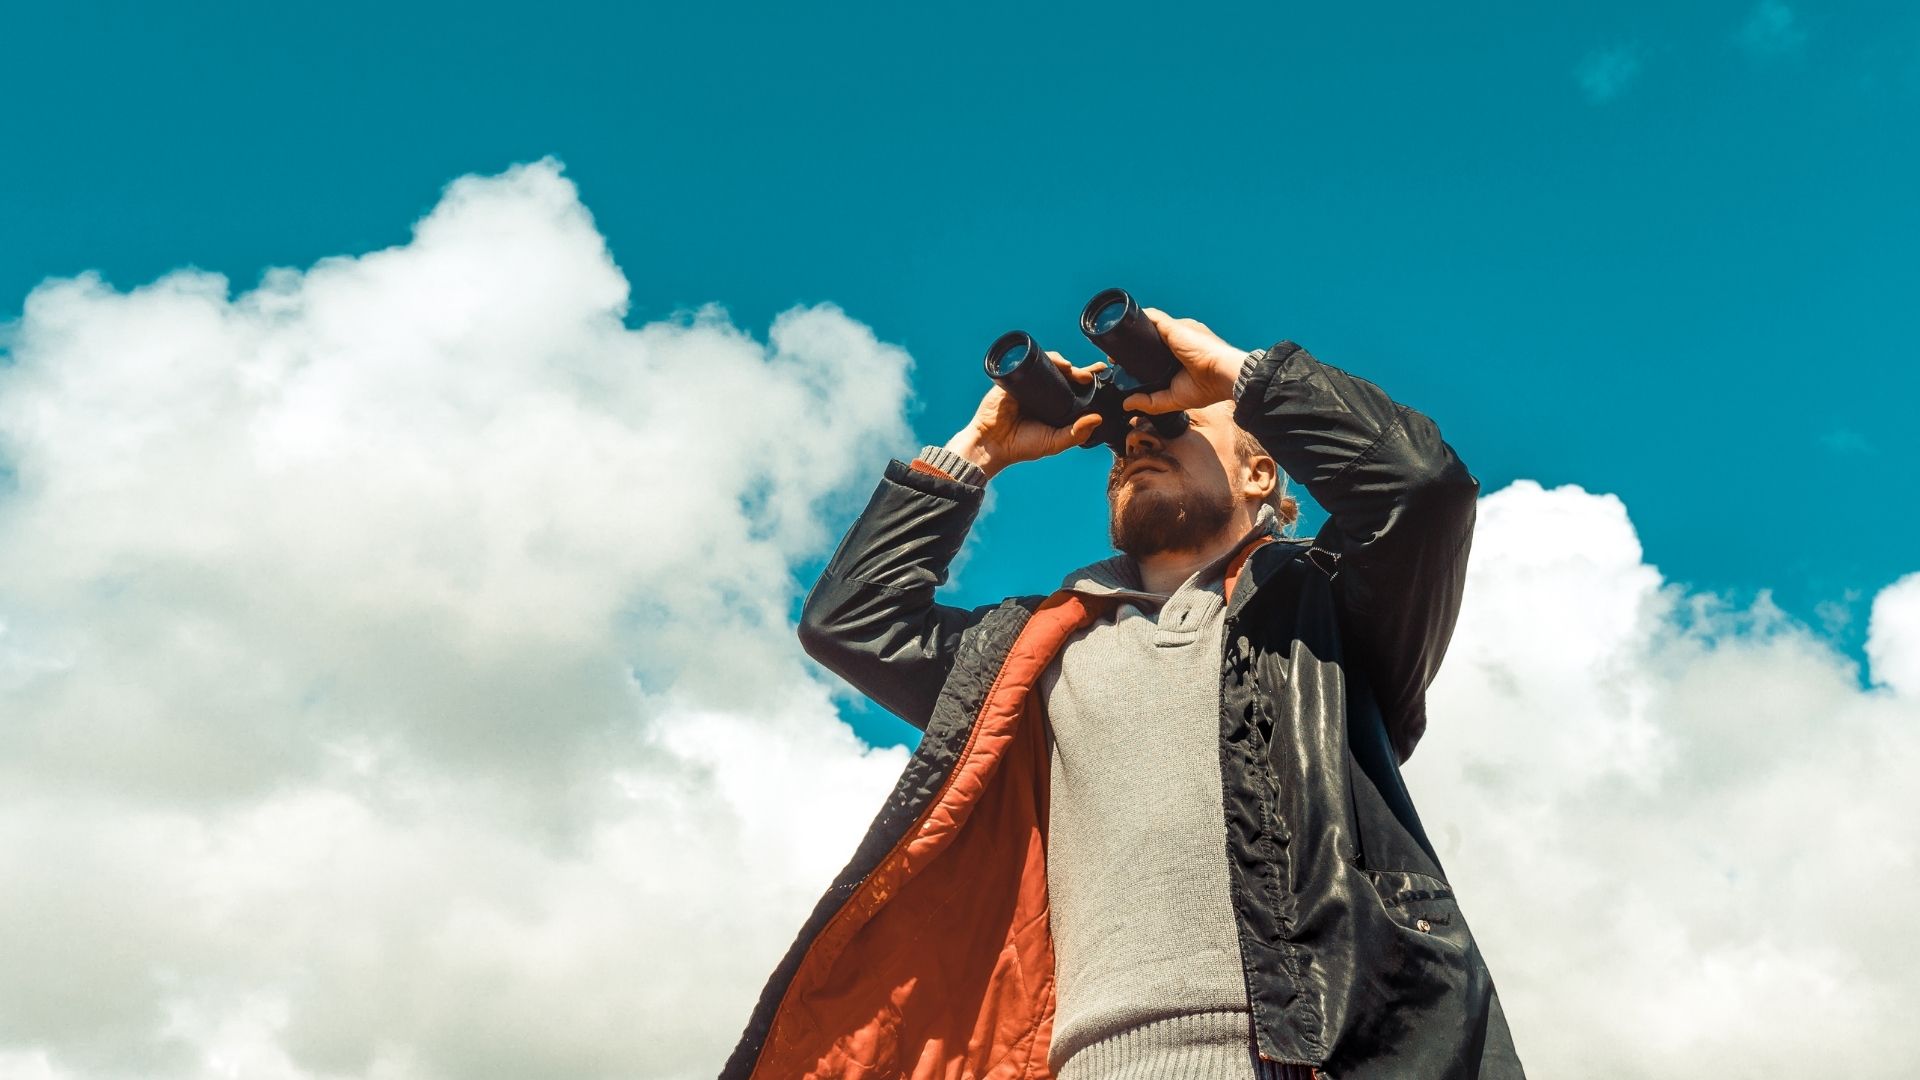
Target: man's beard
[{"x": 1150, "y": 519}]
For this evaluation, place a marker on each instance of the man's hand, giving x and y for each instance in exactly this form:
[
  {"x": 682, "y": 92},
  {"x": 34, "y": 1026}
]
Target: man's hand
[
  {"x": 998, "y": 436},
  {"x": 1208, "y": 366}
]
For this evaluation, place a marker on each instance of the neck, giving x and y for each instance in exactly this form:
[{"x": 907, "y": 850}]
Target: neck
[{"x": 1165, "y": 571}]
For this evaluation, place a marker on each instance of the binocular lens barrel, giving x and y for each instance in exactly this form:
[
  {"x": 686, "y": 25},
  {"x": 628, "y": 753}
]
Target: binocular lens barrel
[
  {"x": 1114, "y": 323},
  {"x": 1020, "y": 367},
  {"x": 1141, "y": 363}
]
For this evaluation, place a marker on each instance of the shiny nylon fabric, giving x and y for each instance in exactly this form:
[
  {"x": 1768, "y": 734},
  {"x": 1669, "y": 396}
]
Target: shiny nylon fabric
[
  {"x": 1357, "y": 958},
  {"x": 903, "y": 980},
  {"x": 1331, "y": 887},
  {"x": 948, "y": 728}
]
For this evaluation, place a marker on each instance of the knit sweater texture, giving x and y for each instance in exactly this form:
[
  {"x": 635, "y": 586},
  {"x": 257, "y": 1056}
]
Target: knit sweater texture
[{"x": 1143, "y": 930}]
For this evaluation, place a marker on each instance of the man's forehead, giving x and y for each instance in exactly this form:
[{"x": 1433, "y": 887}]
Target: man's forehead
[{"x": 1220, "y": 412}]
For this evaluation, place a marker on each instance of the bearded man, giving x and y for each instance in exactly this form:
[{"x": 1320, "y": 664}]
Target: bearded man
[{"x": 1156, "y": 825}]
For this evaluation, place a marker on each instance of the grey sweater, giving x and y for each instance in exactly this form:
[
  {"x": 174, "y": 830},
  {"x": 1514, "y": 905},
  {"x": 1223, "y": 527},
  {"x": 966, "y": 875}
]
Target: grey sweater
[{"x": 1147, "y": 957}]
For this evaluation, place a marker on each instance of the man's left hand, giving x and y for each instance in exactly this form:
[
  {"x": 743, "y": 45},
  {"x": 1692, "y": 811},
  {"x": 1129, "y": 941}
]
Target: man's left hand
[{"x": 1208, "y": 366}]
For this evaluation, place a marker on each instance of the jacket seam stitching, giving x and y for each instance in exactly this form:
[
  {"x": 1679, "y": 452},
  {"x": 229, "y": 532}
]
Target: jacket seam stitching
[{"x": 1373, "y": 448}]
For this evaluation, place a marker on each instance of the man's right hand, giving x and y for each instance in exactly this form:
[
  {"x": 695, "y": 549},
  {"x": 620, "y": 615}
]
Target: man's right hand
[{"x": 998, "y": 436}]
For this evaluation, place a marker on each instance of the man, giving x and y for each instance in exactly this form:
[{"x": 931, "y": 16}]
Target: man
[{"x": 1155, "y": 826}]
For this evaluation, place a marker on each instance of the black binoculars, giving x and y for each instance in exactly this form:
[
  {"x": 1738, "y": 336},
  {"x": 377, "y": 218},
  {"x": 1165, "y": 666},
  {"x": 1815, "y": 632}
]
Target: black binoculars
[{"x": 1141, "y": 364}]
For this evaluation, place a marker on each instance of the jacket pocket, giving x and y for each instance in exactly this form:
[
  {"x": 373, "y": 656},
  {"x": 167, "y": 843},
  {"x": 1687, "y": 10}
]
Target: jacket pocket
[{"x": 1422, "y": 904}]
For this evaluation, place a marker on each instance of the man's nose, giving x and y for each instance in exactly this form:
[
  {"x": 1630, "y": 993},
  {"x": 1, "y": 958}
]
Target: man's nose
[{"x": 1142, "y": 439}]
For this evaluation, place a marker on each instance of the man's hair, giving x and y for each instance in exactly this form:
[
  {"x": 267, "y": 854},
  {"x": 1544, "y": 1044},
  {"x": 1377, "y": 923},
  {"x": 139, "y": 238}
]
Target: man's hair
[{"x": 1246, "y": 448}]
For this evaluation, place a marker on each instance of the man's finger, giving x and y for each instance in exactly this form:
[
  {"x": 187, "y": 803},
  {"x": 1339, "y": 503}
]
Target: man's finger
[
  {"x": 1086, "y": 374},
  {"x": 1164, "y": 324},
  {"x": 1077, "y": 374},
  {"x": 1009, "y": 407},
  {"x": 1076, "y": 433},
  {"x": 1160, "y": 401}
]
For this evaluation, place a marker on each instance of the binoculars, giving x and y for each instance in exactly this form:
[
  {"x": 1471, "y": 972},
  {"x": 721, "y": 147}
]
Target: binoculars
[{"x": 1141, "y": 364}]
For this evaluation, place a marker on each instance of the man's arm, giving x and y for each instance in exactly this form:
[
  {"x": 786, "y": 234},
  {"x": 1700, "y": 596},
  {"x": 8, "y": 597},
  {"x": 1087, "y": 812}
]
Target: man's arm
[
  {"x": 1400, "y": 502},
  {"x": 871, "y": 618},
  {"x": 1401, "y": 508}
]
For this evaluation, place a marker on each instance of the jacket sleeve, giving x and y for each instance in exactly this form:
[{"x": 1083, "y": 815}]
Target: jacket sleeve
[
  {"x": 871, "y": 618},
  {"x": 1401, "y": 510}
]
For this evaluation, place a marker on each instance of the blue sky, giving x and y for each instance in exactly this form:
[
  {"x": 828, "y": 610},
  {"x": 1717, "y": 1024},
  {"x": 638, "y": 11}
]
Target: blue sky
[
  {"x": 379, "y": 671},
  {"x": 1663, "y": 251}
]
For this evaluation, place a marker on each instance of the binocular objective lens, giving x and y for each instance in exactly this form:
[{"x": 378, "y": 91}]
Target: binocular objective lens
[
  {"x": 1012, "y": 356},
  {"x": 1109, "y": 316}
]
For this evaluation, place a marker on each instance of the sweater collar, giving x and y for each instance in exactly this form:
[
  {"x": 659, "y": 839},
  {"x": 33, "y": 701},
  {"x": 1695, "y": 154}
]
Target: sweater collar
[{"x": 1119, "y": 575}]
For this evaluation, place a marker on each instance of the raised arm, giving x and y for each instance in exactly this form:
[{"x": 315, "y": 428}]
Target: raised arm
[
  {"x": 871, "y": 618},
  {"x": 1400, "y": 508},
  {"x": 1399, "y": 501}
]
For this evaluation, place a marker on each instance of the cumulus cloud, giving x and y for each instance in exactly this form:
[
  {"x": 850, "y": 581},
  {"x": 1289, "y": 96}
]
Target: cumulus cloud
[
  {"x": 395, "y": 666},
  {"x": 1604, "y": 74},
  {"x": 1679, "y": 825},
  {"x": 1893, "y": 636},
  {"x": 396, "y": 682}
]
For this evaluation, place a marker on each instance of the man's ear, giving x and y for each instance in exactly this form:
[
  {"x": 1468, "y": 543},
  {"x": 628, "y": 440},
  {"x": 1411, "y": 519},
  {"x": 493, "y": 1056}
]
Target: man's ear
[{"x": 1259, "y": 476}]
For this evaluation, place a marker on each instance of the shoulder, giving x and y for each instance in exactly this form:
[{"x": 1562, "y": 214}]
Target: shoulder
[
  {"x": 1296, "y": 559},
  {"x": 997, "y": 625},
  {"x": 1283, "y": 549}
]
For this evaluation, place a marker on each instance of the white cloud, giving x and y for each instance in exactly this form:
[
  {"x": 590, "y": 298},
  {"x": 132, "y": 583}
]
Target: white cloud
[
  {"x": 395, "y": 662},
  {"x": 1677, "y": 825},
  {"x": 396, "y": 683},
  {"x": 1893, "y": 636},
  {"x": 1604, "y": 74}
]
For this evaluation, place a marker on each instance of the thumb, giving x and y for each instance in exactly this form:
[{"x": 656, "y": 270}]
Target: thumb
[
  {"x": 1160, "y": 401},
  {"x": 1076, "y": 433},
  {"x": 1168, "y": 327}
]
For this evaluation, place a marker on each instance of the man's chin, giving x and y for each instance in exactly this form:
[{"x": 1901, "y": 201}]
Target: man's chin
[
  {"x": 1147, "y": 520},
  {"x": 1140, "y": 520}
]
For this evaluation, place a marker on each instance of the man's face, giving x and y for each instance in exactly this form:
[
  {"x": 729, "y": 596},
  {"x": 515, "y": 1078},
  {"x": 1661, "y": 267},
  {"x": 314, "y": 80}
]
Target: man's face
[{"x": 1174, "y": 494}]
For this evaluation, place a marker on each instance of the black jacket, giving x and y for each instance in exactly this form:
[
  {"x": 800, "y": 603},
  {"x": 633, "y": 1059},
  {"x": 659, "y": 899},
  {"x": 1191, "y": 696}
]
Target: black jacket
[{"x": 930, "y": 957}]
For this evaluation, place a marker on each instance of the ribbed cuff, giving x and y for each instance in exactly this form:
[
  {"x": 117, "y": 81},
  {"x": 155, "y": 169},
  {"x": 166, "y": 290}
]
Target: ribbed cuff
[
  {"x": 1215, "y": 1045},
  {"x": 953, "y": 465},
  {"x": 1246, "y": 372}
]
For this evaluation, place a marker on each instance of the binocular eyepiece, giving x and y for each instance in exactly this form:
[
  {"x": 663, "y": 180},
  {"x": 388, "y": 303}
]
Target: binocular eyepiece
[{"x": 1142, "y": 364}]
